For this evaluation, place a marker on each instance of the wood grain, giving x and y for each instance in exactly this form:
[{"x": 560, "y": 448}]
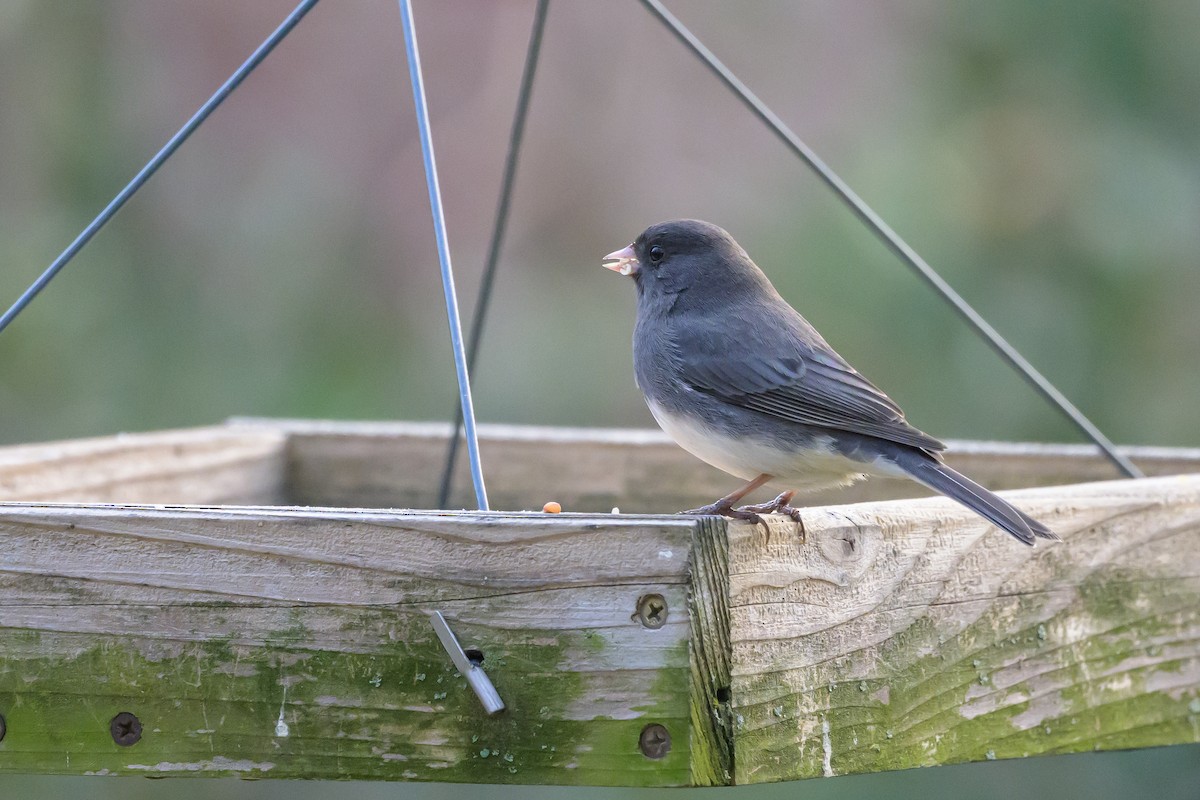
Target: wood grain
[
  {"x": 398, "y": 465},
  {"x": 709, "y": 650},
  {"x": 199, "y": 465},
  {"x": 295, "y": 642},
  {"x": 220, "y": 628},
  {"x": 912, "y": 633}
]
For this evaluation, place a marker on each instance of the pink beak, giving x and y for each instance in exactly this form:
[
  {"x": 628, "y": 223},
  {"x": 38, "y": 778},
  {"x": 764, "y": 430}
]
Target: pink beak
[{"x": 623, "y": 261}]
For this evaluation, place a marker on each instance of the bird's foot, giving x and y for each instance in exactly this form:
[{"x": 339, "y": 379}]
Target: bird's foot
[
  {"x": 777, "y": 506},
  {"x": 750, "y": 513},
  {"x": 723, "y": 508}
]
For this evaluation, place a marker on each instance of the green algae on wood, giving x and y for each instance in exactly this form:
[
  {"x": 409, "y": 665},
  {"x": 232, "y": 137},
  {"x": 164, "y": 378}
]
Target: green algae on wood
[
  {"x": 312, "y": 656},
  {"x": 277, "y": 713},
  {"x": 286, "y": 642},
  {"x": 960, "y": 647},
  {"x": 711, "y": 695}
]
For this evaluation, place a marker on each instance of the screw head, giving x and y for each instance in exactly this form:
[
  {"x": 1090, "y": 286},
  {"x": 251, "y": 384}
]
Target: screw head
[
  {"x": 126, "y": 729},
  {"x": 655, "y": 741},
  {"x": 651, "y": 611}
]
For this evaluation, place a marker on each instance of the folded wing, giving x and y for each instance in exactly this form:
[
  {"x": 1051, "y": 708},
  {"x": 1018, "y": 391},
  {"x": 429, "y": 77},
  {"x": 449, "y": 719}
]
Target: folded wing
[{"x": 794, "y": 375}]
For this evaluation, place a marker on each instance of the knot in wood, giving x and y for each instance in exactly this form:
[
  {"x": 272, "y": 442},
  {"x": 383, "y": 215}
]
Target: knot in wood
[{"x": 851, "y": 546}]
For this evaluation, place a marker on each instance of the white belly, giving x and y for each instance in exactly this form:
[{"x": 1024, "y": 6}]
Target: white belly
[{"x": 748, "y": 457}]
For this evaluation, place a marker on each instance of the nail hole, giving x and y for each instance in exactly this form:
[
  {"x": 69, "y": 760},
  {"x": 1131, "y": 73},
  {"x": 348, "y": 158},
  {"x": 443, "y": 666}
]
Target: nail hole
[
  {"x": 474, "y": 656},
  {"x": 724, "y": 695}
]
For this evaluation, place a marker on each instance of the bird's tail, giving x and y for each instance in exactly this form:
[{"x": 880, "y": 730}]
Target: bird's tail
[{"x": 937, "y": 476}]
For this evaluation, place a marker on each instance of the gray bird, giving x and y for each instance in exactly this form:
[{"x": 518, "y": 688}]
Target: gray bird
[{"x": 739, "y": 379}]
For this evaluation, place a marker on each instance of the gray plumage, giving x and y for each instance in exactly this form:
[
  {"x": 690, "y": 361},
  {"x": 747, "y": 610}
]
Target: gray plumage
[{"x": 741, "y": 380}]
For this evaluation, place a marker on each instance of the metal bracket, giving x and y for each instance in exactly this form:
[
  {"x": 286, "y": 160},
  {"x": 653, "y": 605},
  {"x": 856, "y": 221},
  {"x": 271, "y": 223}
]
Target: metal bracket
[{"x": 474, "y": 674}]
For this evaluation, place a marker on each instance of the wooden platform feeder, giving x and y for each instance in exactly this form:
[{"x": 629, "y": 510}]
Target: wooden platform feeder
[{"x": 246, "y": 600}]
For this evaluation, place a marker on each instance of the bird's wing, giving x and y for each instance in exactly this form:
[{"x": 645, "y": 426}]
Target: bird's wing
[{"x": 797, "y": 378}]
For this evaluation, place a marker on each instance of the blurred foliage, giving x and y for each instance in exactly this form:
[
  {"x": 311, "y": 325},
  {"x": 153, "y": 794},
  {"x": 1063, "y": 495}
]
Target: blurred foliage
[{"x": 1045, "y": 157}]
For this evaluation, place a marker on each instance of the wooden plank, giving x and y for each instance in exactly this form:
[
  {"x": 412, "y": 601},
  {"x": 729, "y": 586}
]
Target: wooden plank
[
  {"x": 904, "y": 634},
  {"x": 296, "y": 643},
  {"x": 200, "y": 465},
  {"x": 382, "y": 465},
  {"x": 711, "y": 705}
]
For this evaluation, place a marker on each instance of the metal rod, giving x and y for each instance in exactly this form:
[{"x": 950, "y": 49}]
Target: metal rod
[
  {"x": 443, "y": 248},
  {"x": 499, "y": 228},
  {"x": 893, "y": 241},
  {"x": 166, "y": 152},
  {"x": 477, "y": 679}
]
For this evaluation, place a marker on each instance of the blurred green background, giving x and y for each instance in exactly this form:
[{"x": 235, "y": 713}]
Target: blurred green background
[{"x": 1044, "y": 157}]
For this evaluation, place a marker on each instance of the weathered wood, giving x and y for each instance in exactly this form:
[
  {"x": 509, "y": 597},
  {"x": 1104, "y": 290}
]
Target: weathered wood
[
  {"x": 911, "y": 633},
  {"x": 386, "y": 465},
  {"x": 711, "y": 706},
  {"x": 202, "y": 465},
  {"x": 288, "y": 643},
  {"x": 397, "y": 465},
  {"x": 889, "y": 635},
  {"x": 294, "y": 642}
]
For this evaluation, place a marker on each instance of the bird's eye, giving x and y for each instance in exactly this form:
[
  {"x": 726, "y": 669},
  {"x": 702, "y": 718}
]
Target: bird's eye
[{"x": 656, "y": 254}]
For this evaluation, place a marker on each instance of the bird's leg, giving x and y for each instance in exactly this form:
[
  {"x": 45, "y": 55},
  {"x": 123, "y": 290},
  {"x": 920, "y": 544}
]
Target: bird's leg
[
  {"x": 777, "y": 506},
  {"x": 724, "y": 506}
]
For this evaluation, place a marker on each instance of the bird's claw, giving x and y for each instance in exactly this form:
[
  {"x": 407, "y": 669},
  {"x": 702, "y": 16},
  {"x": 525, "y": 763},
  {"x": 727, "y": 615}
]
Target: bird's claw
[
  {"x": 751, "y": 513},
  {"x": 720, "y": 509},
  {"x": 777, "y": 506}
]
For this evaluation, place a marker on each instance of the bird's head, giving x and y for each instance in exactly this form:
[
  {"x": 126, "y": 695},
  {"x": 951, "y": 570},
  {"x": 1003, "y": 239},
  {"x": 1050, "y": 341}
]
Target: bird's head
[{"x": 687, "y": 256}]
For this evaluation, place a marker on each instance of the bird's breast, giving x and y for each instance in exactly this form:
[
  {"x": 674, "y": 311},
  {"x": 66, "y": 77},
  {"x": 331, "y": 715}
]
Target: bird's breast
[{"x": 809, "y": 463}]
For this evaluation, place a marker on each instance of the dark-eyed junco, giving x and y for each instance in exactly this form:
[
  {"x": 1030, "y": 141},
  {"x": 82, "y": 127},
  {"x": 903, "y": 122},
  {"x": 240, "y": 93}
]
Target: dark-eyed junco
[{"x": 738, "y": 378}]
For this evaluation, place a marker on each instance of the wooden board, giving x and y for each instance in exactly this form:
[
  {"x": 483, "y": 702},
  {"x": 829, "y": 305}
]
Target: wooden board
[
  {"x": 208, "y": 465},
  {"x": 287, "y": 643},
  {"x": 912, "y": 633},
  {"x": 399, "y": 465}
]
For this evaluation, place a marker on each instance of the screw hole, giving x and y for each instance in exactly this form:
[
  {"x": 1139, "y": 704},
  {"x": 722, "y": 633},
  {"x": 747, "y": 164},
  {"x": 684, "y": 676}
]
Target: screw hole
[
  {"x": 475, "y": 656},
  {"x": 724, "y": 694},
  {"x": 655, "y": 741}
]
